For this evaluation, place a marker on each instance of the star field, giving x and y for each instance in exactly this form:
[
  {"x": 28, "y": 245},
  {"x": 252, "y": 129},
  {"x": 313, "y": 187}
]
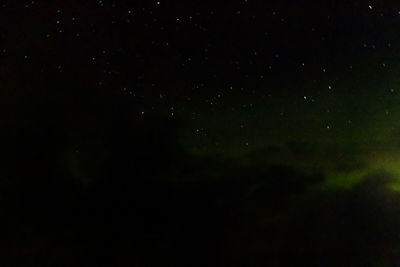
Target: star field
[{"x": 189, "y": 60}]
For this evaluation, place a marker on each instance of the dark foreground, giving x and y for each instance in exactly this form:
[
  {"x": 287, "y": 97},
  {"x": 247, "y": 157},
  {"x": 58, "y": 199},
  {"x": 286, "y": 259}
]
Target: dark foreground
[{"x": 117, "y": 191}]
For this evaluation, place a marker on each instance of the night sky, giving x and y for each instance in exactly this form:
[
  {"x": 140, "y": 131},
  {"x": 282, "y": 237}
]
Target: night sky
[{"x": 200, "y": 133}]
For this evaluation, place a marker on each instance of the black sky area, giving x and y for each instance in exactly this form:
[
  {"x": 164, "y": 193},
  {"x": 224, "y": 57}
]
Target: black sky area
[{"x": 199, "y": 133}]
